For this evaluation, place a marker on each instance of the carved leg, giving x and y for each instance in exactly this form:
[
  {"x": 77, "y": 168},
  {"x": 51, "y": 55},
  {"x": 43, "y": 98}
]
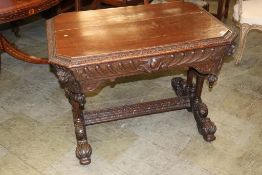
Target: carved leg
[
  {"x": 205, "y": 126},
  {"x": 186, "y": 88},
  {"x": 83, "y": 149},
  {"x": 244, "y": 29},
  {"x": 77, "y": 100}
]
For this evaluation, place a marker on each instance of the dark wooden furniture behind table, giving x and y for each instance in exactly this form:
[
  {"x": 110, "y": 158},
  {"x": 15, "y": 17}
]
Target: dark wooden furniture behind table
[
  {"x": 119, "y": 42},
  {"x": 96, "y": 4},
  {"x": 222, "y": 9},
  {"x": 13, "y": 10}
]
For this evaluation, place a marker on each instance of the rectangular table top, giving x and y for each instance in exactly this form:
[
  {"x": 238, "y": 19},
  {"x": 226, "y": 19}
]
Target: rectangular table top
[{"x": 91, "y": 37}]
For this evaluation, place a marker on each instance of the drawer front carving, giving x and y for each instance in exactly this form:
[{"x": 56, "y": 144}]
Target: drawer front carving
[
  {"x": 151, "y": 64},
  {"x": 207, "y": 61}
]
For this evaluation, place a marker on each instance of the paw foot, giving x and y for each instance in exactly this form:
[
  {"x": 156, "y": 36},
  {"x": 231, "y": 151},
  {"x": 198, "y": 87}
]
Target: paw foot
[{"x": 83, "y": 153}]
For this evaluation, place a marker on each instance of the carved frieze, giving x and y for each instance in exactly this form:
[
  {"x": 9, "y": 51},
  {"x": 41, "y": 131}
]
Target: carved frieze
[{"x": 206, "y": 61}]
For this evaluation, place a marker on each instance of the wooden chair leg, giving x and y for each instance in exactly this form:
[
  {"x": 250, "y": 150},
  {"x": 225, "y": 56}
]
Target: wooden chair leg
[
  {"x": 15, "y": 28},
  {"x": 220, "y": 9},
  {"x": 244, "y": 29},
  {"x": 226, "y": 8}
]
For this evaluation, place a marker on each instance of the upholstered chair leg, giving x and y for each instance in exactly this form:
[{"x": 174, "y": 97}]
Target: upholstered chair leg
[{"x": 244, "y": 29}]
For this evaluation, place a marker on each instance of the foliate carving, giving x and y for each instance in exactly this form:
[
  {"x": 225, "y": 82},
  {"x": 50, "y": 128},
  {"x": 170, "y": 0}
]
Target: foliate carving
[
  {"x": 180, "y": 87},
  {"x": 155, "y": 64},
  {"x": 78, "y": 97},
  {"x": 207, "y": 61},
  {"x": 83, "y": 149},
  {"x": 63, "y": 75},
  {"x": 208, "y": 129}
]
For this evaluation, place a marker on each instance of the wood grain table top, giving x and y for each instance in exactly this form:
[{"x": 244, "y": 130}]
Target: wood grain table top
[
  {"x": 91, "y": 37},
  {"x": 11, "y": 10}
]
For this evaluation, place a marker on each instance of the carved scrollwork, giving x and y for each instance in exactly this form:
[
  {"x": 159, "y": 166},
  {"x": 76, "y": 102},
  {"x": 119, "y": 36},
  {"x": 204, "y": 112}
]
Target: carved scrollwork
[
  {"x": 207, "y": 61},
  {"x": 180, "y": 87},
  {"x": 78, "y": 97},
  {"x": 67, "y": 80},
  {"x": 155, "y": 64},
  {"x": 63, "y": 75}
]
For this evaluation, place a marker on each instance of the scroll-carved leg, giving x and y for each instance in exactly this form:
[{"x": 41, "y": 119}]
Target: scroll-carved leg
[
  {"x": 226, "y": 8},
  {"x": 205, "y": 126},
  {"x": 186, "y": 88},
  {"x": 83, "y": 149},
  {"x": 77, "y": 100}
]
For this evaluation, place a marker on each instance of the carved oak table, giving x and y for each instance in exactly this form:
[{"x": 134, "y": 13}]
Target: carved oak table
[
  {"x": 13, "y": 10},
  {"x": 88, "y": 49}
]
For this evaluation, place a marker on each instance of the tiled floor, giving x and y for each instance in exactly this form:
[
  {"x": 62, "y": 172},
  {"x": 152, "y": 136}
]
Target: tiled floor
[{"x": 37, "y": 134}]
